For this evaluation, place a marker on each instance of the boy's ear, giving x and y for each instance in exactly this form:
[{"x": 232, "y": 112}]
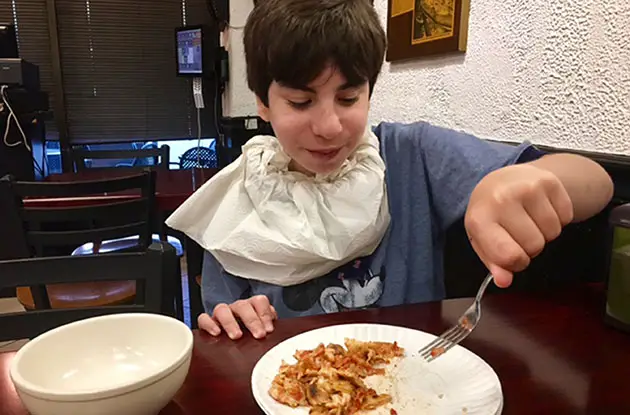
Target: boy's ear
[{"x": 263, "y": 110}]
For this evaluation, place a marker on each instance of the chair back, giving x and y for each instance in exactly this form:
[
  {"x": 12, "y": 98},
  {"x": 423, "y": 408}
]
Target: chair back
[
  {"x": 83, "y": 213},
  {"x": 200, "y": 157},
  {"x": 150, "y": 269},
  {"x": 158, "y": 157}
]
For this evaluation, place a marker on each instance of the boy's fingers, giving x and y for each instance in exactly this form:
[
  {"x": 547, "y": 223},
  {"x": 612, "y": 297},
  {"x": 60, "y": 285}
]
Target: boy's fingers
[
  {"x": 502, "y": 277},
  {"x": 495, "y": 246},
  {"x": 525, "y": 236},
  {"x": 225, "y": 318},
  {"x": 546, "y": 218},
  {"x": 244, "y": 310},
  {"x": 264, "y": 311},
  {"x": 207, "y": 324},
  {"x": 561, "y": 201}
]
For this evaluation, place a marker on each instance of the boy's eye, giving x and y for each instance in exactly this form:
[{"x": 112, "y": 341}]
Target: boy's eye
[
  {"x": 300, "y": 104},
  {"x": 348, "y": 101}
]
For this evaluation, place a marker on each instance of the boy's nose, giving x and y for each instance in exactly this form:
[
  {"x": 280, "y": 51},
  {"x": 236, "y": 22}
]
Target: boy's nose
[{"x": 327, "y": 125}]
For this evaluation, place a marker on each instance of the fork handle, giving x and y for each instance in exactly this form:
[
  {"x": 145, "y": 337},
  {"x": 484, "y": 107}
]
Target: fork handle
[{"x": 484, "y": 285}]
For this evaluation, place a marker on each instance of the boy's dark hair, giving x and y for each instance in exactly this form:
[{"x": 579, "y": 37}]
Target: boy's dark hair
[{"x": 292, "y": 42}]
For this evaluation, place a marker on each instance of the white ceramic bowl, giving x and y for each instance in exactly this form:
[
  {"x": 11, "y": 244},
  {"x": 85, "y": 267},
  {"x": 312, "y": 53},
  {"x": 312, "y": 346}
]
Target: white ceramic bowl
[{"x": 127, "y": 364}]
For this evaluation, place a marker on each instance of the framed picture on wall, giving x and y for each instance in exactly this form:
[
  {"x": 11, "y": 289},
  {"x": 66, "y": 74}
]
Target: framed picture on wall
[{"x": 417, "y": 28}]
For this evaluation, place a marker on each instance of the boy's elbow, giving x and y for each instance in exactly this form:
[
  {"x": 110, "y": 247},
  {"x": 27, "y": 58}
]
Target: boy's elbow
[
  {"x": 609, "y": 187},
  {"x": 604, "y": 183},
  {"x": 600, "y": 192}
]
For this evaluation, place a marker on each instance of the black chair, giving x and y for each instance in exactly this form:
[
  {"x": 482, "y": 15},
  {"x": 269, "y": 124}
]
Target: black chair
[
  {"x": 200, "y": 157},
  {"x": 151, "y": 269},
  {"x": 149, "y": 156},
  {"x": 56, "y": 231},
  {"x": 158, "y": 157}
]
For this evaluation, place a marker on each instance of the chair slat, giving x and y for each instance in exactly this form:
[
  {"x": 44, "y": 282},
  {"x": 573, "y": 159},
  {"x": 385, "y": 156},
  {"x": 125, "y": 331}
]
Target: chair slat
[
  {"x": 132, "y": 209},
  {"x": 86, "y": 268},
  {"x": 118, "y": 154},
  {"x": 79, "y": 237},
  {"x": 161, "y": 156},
  {"x": 84, "y": 187}
]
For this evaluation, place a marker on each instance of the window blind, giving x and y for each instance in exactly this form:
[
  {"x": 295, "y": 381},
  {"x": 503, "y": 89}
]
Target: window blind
[{"x": 119, "y": 70}]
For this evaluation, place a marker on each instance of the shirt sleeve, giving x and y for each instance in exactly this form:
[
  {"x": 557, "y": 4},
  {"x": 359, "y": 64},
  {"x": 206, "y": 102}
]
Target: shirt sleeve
[
  {"x": 455, "y": 162},
  {"x": 450, "y": 162},
  {"x": 217, "y": 286}
]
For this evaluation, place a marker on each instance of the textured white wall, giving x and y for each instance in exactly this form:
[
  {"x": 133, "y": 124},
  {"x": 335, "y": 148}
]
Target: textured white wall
[{"x": 552, "y": 72}]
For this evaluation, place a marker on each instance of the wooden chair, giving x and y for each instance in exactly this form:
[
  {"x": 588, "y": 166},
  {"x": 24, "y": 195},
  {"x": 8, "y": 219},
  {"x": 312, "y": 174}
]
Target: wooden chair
[
  {"x": 158, "y": 157},
  {"x": 143, "y": 158},
  {"x": 151, "y": 269},
  {"x": 53, "y": 231}
]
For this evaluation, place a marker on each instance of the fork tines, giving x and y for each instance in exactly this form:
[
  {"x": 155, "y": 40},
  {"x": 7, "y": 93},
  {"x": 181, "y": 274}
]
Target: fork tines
[{"x": 445, "y": 342}]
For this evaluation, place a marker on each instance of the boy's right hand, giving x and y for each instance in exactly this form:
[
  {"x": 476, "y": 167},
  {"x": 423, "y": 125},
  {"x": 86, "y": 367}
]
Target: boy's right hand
[{"x": 256, "y": 313}]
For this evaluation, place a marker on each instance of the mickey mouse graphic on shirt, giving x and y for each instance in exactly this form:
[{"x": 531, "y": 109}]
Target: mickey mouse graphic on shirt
[{"x": 350, "y": 287}]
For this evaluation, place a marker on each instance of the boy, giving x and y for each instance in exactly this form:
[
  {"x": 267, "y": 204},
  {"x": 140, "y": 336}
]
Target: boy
[{"x": 332, "y": 215}]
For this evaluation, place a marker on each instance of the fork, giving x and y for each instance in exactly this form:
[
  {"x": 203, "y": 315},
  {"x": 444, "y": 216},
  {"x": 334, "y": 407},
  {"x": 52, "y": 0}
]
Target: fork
[{"x": 465, "y": 325}]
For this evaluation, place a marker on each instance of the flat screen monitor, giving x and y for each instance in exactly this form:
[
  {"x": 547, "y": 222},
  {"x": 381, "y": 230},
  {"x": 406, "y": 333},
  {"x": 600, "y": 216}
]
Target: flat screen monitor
[{"x": 190, "y": 51}]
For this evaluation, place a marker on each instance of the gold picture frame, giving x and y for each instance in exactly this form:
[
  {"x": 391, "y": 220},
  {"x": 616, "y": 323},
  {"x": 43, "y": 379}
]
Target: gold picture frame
[{"x": 417, "y": 28}]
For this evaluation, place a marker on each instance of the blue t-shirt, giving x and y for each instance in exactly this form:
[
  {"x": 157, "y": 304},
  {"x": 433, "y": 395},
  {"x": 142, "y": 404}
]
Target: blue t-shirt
[{"x": 431, "y": 172}]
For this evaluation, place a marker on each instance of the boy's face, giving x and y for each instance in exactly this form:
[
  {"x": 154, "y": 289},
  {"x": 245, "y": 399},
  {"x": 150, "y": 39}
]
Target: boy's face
[{"x": 320, "y": 125}]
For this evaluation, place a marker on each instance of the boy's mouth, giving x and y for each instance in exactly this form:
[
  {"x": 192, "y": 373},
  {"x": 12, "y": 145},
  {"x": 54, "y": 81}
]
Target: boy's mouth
[{"x": 324, "y": 154}]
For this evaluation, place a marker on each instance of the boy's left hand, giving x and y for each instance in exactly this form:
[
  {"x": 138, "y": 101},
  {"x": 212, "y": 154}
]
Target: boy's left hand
[{"x": 512, "y": 213}]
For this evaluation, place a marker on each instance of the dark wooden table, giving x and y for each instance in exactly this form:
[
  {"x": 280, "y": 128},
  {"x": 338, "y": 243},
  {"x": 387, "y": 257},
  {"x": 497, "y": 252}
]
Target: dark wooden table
[{"x": 551, "y": 352}]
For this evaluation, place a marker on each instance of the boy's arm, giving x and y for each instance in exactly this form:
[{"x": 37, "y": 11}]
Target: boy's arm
[
  {"x": 515, "y": 198},
  {"x": 516, "y": 210},
  {"x": 219, "y": 287},
  {"x": 227, "y": 299},
  {"x": 588, "y": 185}
]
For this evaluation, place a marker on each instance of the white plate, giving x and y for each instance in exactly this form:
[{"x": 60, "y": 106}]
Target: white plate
[{"x": 459, "y": 382}]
